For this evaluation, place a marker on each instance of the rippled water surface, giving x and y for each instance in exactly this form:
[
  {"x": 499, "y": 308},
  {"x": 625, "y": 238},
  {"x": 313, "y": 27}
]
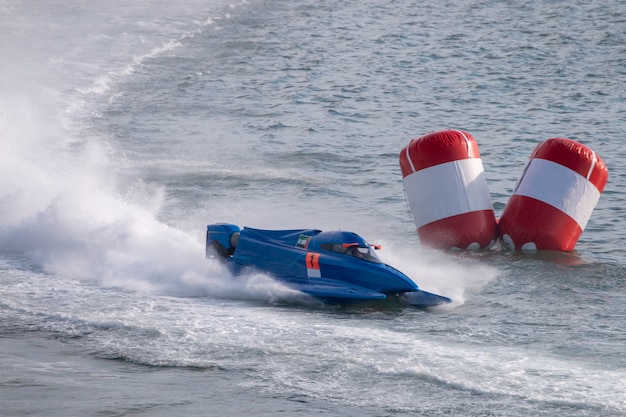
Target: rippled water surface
[{"x": 126, "y": 128}]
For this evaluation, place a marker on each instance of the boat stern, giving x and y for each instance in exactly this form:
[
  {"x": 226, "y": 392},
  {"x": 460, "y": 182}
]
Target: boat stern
[{"x": 221, "y": 239}]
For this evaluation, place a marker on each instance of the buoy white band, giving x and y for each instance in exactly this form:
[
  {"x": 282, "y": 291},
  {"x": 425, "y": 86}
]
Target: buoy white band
[
  {"x": 447, "y": 190},
  {"x": 559, "y": 187}
]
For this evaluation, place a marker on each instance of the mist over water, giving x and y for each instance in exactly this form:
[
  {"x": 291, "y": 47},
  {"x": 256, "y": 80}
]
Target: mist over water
[
  {"x": 126, "y": 128},
  {"x": 64, "y": 203},
  {"x": 73, "y": 213}
]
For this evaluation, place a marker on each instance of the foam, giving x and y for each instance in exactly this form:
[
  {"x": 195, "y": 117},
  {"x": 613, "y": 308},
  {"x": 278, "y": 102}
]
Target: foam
[{"x": 439, "y": 272}]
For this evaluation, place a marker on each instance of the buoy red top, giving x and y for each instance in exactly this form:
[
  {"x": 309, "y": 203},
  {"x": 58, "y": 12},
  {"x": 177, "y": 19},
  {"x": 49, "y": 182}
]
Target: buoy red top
[{"x": 437, "y": 148}]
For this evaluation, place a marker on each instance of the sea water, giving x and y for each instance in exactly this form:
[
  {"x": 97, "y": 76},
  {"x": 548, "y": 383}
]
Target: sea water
[{"x": 125, "y": 128}]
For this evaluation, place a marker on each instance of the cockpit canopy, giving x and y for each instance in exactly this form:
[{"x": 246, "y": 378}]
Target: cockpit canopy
[{"x": 347, "y": 243}]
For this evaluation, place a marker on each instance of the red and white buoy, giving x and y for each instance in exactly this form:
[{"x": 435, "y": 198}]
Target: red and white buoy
[
  {"x": 554, "y": 198},
  {"x": 447, "y": 192}
]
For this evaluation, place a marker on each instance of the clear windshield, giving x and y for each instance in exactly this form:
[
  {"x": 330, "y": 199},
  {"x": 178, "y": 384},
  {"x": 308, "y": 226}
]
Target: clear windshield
[{"x": 362, "y": 252}]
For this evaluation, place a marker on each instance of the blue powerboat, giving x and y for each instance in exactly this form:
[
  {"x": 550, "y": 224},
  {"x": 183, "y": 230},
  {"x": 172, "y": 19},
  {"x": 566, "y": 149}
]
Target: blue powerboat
[{"x": 336, "y": 267}]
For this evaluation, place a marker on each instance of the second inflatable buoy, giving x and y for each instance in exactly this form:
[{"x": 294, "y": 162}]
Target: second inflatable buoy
[
  {"x": 554, "y": 198},
  {"x": 447, "y": 192}
]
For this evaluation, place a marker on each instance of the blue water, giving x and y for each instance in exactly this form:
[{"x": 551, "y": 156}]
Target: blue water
[{"x": 126, "y": 128}]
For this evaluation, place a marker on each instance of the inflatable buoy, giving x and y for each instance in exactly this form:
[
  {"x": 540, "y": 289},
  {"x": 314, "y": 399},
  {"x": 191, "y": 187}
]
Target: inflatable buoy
[
  {"x": 554, "y": 198},
  {"x": 447, "y": 192}
]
